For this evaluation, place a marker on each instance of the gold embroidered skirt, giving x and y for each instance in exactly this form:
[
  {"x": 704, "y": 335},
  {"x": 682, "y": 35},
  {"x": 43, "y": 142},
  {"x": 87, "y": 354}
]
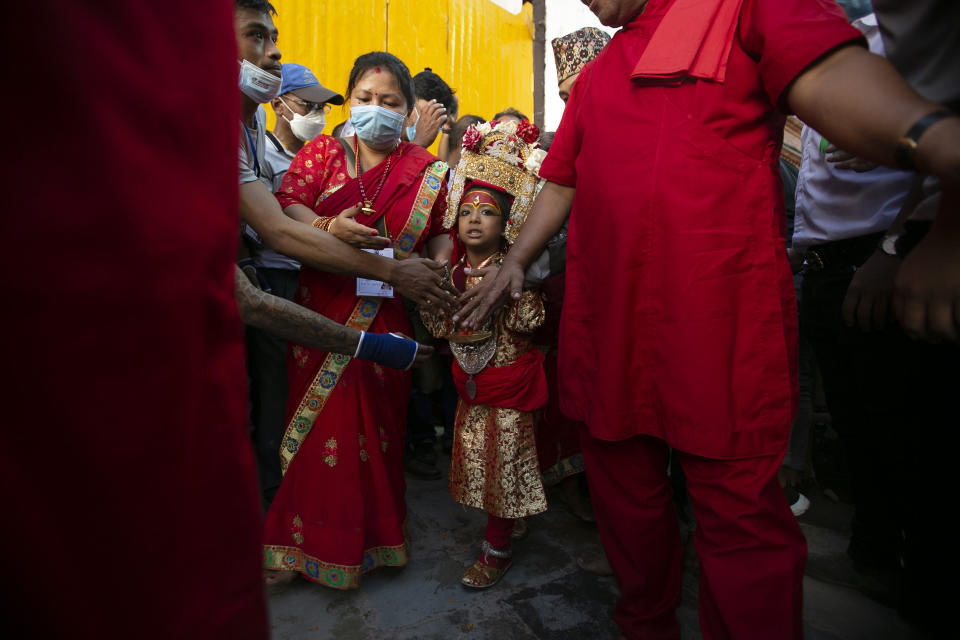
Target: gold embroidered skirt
[{"x": 493, "y": 465}]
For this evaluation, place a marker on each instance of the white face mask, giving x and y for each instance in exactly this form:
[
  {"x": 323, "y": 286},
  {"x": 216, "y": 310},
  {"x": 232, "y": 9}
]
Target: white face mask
[
  {"x": 257, "y": 84},
  {"x": 306, "y": 128}
]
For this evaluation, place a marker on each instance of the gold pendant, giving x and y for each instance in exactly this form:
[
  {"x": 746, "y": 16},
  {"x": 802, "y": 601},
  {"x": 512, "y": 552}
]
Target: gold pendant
[{"x": 367, "y": 208}]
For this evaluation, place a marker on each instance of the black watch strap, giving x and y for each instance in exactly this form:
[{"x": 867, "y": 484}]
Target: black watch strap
[{"x": 907, "y": 145}]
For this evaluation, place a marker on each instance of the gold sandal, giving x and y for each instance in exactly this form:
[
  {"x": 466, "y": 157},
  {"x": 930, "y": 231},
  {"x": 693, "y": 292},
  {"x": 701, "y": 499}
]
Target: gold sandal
[{"x": 489, "y": 567}]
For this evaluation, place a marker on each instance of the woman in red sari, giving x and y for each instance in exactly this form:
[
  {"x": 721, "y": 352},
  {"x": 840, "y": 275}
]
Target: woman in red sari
[{"x": 340, "y": 509}]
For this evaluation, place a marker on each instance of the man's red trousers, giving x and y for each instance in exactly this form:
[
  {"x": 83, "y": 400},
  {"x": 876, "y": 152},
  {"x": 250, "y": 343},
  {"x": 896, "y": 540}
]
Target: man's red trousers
[{"x": 752, "y": 552}]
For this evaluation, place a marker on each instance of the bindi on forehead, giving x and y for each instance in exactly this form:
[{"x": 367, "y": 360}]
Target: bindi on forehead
[{"x": 376, "y": 69}]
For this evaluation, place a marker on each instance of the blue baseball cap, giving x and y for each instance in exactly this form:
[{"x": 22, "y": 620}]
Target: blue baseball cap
[{"x": 301, "y": 82}]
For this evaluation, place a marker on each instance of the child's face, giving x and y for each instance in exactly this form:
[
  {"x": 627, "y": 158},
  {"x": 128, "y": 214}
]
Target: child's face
[{"x": 480, "y": 222}]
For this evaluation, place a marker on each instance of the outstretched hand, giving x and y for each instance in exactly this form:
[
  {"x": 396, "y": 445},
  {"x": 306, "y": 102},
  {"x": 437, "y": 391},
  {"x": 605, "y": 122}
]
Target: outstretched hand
[
  {"x": 497, "y": 287},
  {"x": 355, "y": 234},
  {"x": 424, "y": 351},
  {"x": 422, "y": 281}
]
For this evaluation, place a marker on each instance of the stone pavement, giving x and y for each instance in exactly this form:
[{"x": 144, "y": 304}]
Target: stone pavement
[{"x": 544, "y": 596}]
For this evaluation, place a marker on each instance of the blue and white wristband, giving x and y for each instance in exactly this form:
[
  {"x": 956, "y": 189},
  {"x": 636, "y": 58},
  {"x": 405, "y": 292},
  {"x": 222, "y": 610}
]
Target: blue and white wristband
[{"x": 387, "y": 349}]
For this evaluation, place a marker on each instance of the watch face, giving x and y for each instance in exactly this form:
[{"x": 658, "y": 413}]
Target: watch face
[{"x": 889, "y": 245}]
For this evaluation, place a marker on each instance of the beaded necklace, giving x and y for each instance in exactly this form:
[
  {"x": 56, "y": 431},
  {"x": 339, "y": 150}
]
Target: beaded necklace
[{"x": 368, "y": 202}]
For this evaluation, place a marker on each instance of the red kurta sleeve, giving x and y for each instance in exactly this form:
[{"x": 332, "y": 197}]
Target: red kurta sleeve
[
  {"x": 787, "y": 36},
  {"x": 560, "y": 164}
]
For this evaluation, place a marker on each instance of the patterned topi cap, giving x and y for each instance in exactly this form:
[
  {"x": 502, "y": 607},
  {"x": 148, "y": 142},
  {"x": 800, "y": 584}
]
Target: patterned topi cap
[{"x": 576, "y": 49}]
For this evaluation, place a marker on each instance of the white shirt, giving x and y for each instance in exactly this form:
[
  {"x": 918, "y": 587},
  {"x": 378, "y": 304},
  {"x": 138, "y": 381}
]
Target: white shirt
[{"x": 834, "y": 204}]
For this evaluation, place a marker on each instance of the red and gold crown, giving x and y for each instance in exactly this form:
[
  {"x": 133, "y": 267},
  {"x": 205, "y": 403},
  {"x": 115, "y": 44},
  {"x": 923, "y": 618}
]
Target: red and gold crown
[{"x": 504, "y": 156}]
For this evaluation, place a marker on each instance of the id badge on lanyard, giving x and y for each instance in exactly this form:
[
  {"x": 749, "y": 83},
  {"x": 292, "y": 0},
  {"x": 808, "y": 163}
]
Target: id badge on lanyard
[{"x": 375, "y": 288}]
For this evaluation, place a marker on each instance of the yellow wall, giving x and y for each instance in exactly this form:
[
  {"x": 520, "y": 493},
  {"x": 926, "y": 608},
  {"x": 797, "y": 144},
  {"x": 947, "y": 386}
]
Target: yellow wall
[{"x": 482, "y": 51}]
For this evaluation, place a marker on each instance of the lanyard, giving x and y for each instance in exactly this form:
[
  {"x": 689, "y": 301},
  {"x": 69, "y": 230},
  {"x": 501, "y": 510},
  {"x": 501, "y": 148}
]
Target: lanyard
[{"x": 256, "y": 164}]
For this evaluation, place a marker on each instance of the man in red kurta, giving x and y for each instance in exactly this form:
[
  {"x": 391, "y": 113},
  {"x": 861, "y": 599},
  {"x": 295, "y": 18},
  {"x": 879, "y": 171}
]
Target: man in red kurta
[
  {"x": 130, "y": 494},
  {"x": 678, "y": 325}
]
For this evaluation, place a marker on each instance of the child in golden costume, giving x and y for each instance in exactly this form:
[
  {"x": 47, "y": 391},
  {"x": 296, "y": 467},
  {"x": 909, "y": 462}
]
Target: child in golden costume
[{"x": 498, "y": 373}]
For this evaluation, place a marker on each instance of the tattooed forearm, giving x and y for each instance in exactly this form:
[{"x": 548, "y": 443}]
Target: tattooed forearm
[{"x": 290, "y": 321}]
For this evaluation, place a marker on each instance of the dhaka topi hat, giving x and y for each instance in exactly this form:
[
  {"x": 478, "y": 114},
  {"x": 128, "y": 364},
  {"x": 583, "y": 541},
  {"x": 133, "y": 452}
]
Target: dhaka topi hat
[{"x": 576, "y": 49}]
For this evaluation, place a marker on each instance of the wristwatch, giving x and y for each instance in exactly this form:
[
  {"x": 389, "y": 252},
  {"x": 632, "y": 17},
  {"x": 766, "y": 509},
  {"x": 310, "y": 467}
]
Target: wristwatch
[
  {"x": 888, "y": 244},
  {"x": 906, "y": 147}
]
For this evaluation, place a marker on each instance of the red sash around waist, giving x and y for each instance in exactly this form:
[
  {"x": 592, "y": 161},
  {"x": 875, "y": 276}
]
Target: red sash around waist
[{"x": 521, "y": 385}]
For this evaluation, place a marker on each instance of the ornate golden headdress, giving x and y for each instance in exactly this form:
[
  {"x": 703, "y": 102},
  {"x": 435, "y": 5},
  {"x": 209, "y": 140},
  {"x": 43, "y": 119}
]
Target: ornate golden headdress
[{"x": 502, "y": 155}]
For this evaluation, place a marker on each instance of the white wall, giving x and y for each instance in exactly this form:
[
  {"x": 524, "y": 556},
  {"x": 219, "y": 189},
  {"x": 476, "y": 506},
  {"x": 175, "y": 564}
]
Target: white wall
[
  {"x": 513, "y": 6},
  {"x": 563, "y": 16}
]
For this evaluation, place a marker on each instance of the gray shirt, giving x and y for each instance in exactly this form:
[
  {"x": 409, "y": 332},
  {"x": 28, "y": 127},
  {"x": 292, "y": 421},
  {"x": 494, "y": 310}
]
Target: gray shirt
[
  {"x": 250, "y": 157},
  {"x": 922, "y": 38},
  {"x": 274, "y": 163}
]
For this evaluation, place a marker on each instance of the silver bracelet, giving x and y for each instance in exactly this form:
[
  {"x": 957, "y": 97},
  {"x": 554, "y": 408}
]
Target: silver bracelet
[{"x": 359, "y": 343}]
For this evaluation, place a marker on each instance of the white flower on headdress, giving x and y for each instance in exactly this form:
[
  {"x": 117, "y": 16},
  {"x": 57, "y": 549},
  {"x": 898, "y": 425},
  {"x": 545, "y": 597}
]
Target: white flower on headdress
[
  {"x": 509, "y": 127},
  {"x": 484, "y": 128},
  {"x": 505, "y": 150},
  {"x": 532, "y": 165}
]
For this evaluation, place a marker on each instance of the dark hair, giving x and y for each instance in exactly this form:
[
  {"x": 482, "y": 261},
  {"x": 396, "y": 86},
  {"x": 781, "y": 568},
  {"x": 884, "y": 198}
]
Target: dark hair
[
  {"x": 510, "y": 111},
  {"x": 260, "y": 6},
  {"x": 429, "y": 86},
  {"x": 383, "y": 59},
  {"x": 459, "y": 128},
  {"x": 546, "y": 139}
]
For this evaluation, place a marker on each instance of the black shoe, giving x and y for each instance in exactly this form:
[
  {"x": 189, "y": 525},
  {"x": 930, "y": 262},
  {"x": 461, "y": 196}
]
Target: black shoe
[
  {"x": 421, "y": 469},
  {"x": 426, "y": 452},
  {"x": 880, "y": 586},
  {"x": 447, "y": 445},
  {"x": 421, "y": 461}
]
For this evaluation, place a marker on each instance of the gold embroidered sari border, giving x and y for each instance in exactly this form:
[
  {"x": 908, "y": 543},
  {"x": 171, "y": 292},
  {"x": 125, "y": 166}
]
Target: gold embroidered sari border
[
  {"x": 322, "y": 386},
  {"x": 336, "y": 576}
]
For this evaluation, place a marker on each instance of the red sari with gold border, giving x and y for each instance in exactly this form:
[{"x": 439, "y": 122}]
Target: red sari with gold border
[{"x": 340, "y": 509}]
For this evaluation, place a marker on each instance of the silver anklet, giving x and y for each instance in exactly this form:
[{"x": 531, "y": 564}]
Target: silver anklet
[{"x": 488, "y": 549}]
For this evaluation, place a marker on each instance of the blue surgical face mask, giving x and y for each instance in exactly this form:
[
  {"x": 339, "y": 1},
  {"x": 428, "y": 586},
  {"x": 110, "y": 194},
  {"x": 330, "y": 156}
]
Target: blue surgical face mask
[
  {"x": 412, "y": 130},
  {"x": 379, "y": 128}
]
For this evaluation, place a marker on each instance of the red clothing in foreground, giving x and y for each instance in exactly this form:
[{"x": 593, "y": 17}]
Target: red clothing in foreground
[
  {"x": 679, "y": 318},
  {"x": 128, "y": 480},
  {"x": 750, "y": 549}
]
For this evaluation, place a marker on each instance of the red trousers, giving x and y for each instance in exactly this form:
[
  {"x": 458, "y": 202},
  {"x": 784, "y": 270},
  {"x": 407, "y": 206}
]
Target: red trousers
[
  {"x": 498, "y": 531},
  {"x": 752, "y": 552}
]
